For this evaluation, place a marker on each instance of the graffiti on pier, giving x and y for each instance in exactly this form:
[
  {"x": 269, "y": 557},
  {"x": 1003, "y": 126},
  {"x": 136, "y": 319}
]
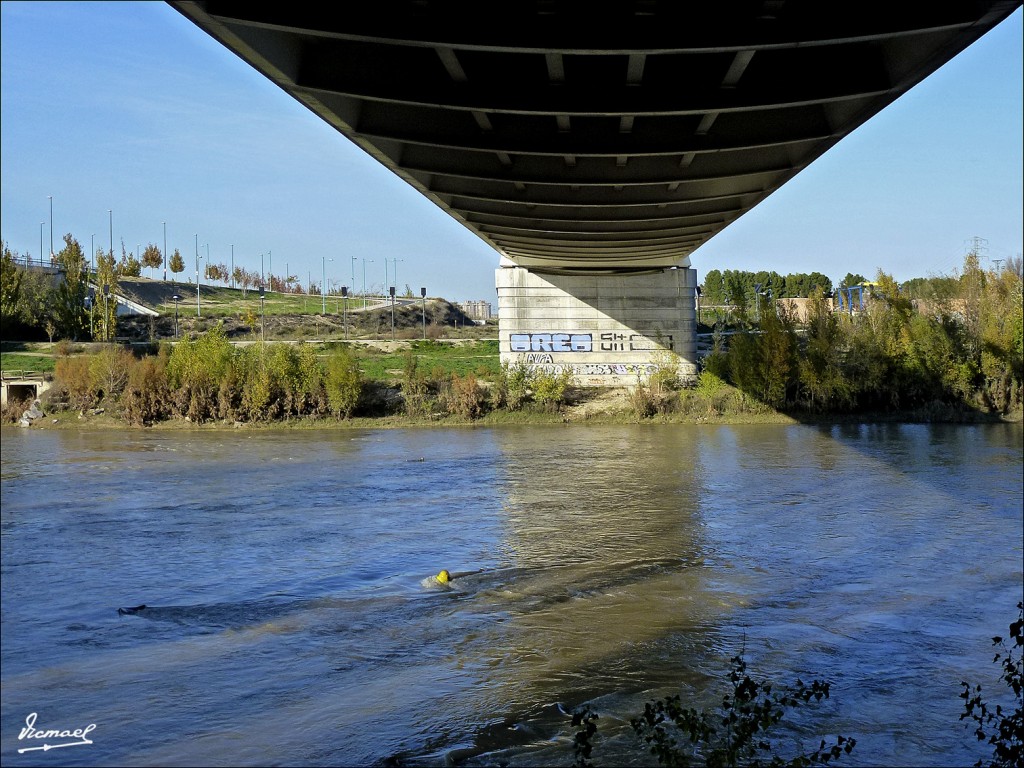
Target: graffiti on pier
[
  {"x": 584, "y": 342},
  {"x": 539, "y": 358},
  {"x": 551, "y": 342},
  {"x": 633, "y": 342},
  {"x": 599, "y": 369}
]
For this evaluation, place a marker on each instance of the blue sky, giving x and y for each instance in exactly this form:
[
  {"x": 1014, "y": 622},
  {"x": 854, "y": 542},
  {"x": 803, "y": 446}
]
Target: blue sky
[{"x": 130, "y": 108}]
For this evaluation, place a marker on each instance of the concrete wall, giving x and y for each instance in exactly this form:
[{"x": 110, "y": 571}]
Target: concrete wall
[
  {"x": 21, "y": 388},
  {"x": 608, "y": 330}
]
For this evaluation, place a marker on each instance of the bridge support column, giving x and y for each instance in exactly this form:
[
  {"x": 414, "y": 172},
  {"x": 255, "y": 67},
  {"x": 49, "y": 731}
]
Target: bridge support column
[{"x": 608, "y": 330}]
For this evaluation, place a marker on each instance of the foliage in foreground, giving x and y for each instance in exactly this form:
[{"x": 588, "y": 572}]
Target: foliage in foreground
[
  {"x": 738, "y": 732},
  {"x": 207, "y": 379},
  {"x": 1003, "y": 730}
]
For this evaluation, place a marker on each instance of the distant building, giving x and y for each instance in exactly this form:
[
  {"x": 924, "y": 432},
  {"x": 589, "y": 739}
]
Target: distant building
[{"x": 478, "y": 310}]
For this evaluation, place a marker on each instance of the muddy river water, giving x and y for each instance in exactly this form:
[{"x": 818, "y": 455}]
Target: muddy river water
[{"x": 286, "y": 621}]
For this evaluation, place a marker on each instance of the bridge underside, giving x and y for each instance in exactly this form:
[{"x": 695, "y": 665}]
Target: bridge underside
[{"x": 586, "y": 138}]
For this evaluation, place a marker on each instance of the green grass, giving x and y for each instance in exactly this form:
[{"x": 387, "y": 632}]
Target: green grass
[
  {"x": 479, "y": 358},
  {"x": 16, "y": 361},
  {"x": 221, "y": 301}
]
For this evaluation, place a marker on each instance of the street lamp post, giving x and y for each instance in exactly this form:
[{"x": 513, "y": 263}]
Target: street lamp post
[
  {"x": 392, "y": 289},
  {"x": 199, "y": 304},
  {"x": 344, "y": 296},
  {"x": 111, "y": 213},
  {"x": 263, "y": 327},
  {"x": 323, "y": 284},
  {"x": 176, "y": 298},
  {"x": 51, "y": 225},
  {"x": 364, "y": 281},
  {"x": 394, "y": 272},
  {"x": 165, "y": 250},
  {"x": 423, "y": 295}
]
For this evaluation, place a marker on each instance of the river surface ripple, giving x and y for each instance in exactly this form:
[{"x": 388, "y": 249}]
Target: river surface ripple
[{"x": 286, "y": 621}]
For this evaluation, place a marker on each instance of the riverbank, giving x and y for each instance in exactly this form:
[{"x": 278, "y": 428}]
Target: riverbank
[{"x": 611, "y": 406}]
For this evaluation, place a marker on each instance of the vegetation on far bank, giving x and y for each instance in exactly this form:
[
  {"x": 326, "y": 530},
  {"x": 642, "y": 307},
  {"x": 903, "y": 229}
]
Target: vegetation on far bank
[{"x": 958, "y": 356}]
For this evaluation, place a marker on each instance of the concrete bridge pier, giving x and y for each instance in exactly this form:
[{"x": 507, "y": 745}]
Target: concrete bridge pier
[{"x": 607, "y": 329}]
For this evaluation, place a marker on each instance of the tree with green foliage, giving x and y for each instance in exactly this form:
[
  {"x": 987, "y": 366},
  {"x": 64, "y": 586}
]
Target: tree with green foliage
[
  {"x": 129, "y": 266},
  {"x": 764, "y": 364},
  {"x": 299, "y": 378},
  {"x": 512, "y": 390},
  {"x": 104, "y": 320},
  {"x": 195, "y": 371},
  {"x": 343, "y": 383},
  {"x": 37, "y": 300},
  {"x": 851, "y": 280},
  {"x": 10, "y": 285},
  {"x": 819, "y": 282},
  {"x": 415, "y": 387},
  {"x": 824, "y": 385},
  {"x": 713, "y": 289},
  {"x": 152, "y": 258},
  {"x": 70, "y": 316},
  {"x": 993, "y": 311},
  {"x": 550, "y": 388},
  {"x": 737, "y": 293},
  {"x": 176, "y": 262}
]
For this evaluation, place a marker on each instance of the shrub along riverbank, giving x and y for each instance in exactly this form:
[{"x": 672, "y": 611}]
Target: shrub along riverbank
[{"x": 963, "y": 360}]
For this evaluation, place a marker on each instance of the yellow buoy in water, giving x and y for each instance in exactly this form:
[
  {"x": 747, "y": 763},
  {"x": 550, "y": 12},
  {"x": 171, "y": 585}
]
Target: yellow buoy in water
[{"x": 443, "y": 579}]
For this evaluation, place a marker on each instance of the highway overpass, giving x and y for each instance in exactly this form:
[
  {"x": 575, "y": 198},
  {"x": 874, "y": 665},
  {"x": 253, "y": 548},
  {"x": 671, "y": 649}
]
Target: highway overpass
[{"x": 595, "y": 146}]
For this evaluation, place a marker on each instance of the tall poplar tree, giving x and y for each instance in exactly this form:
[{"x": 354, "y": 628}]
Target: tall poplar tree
[
  {"x": 105, "y": 310},
  {"x": 70, "y": 317}
]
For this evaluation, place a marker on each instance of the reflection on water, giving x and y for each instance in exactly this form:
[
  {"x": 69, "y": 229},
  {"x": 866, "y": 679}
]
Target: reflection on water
[{"x": 285, "y": 619}]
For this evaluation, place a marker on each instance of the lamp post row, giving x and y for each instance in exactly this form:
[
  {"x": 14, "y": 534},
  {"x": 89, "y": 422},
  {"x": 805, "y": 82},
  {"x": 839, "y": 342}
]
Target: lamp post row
[{"x": 177, "y": 297}]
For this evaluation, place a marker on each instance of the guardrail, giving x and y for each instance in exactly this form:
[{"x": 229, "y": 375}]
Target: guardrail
[
  {"x": 28, "y": 261},
  {"x": 23, "y": 374}
]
